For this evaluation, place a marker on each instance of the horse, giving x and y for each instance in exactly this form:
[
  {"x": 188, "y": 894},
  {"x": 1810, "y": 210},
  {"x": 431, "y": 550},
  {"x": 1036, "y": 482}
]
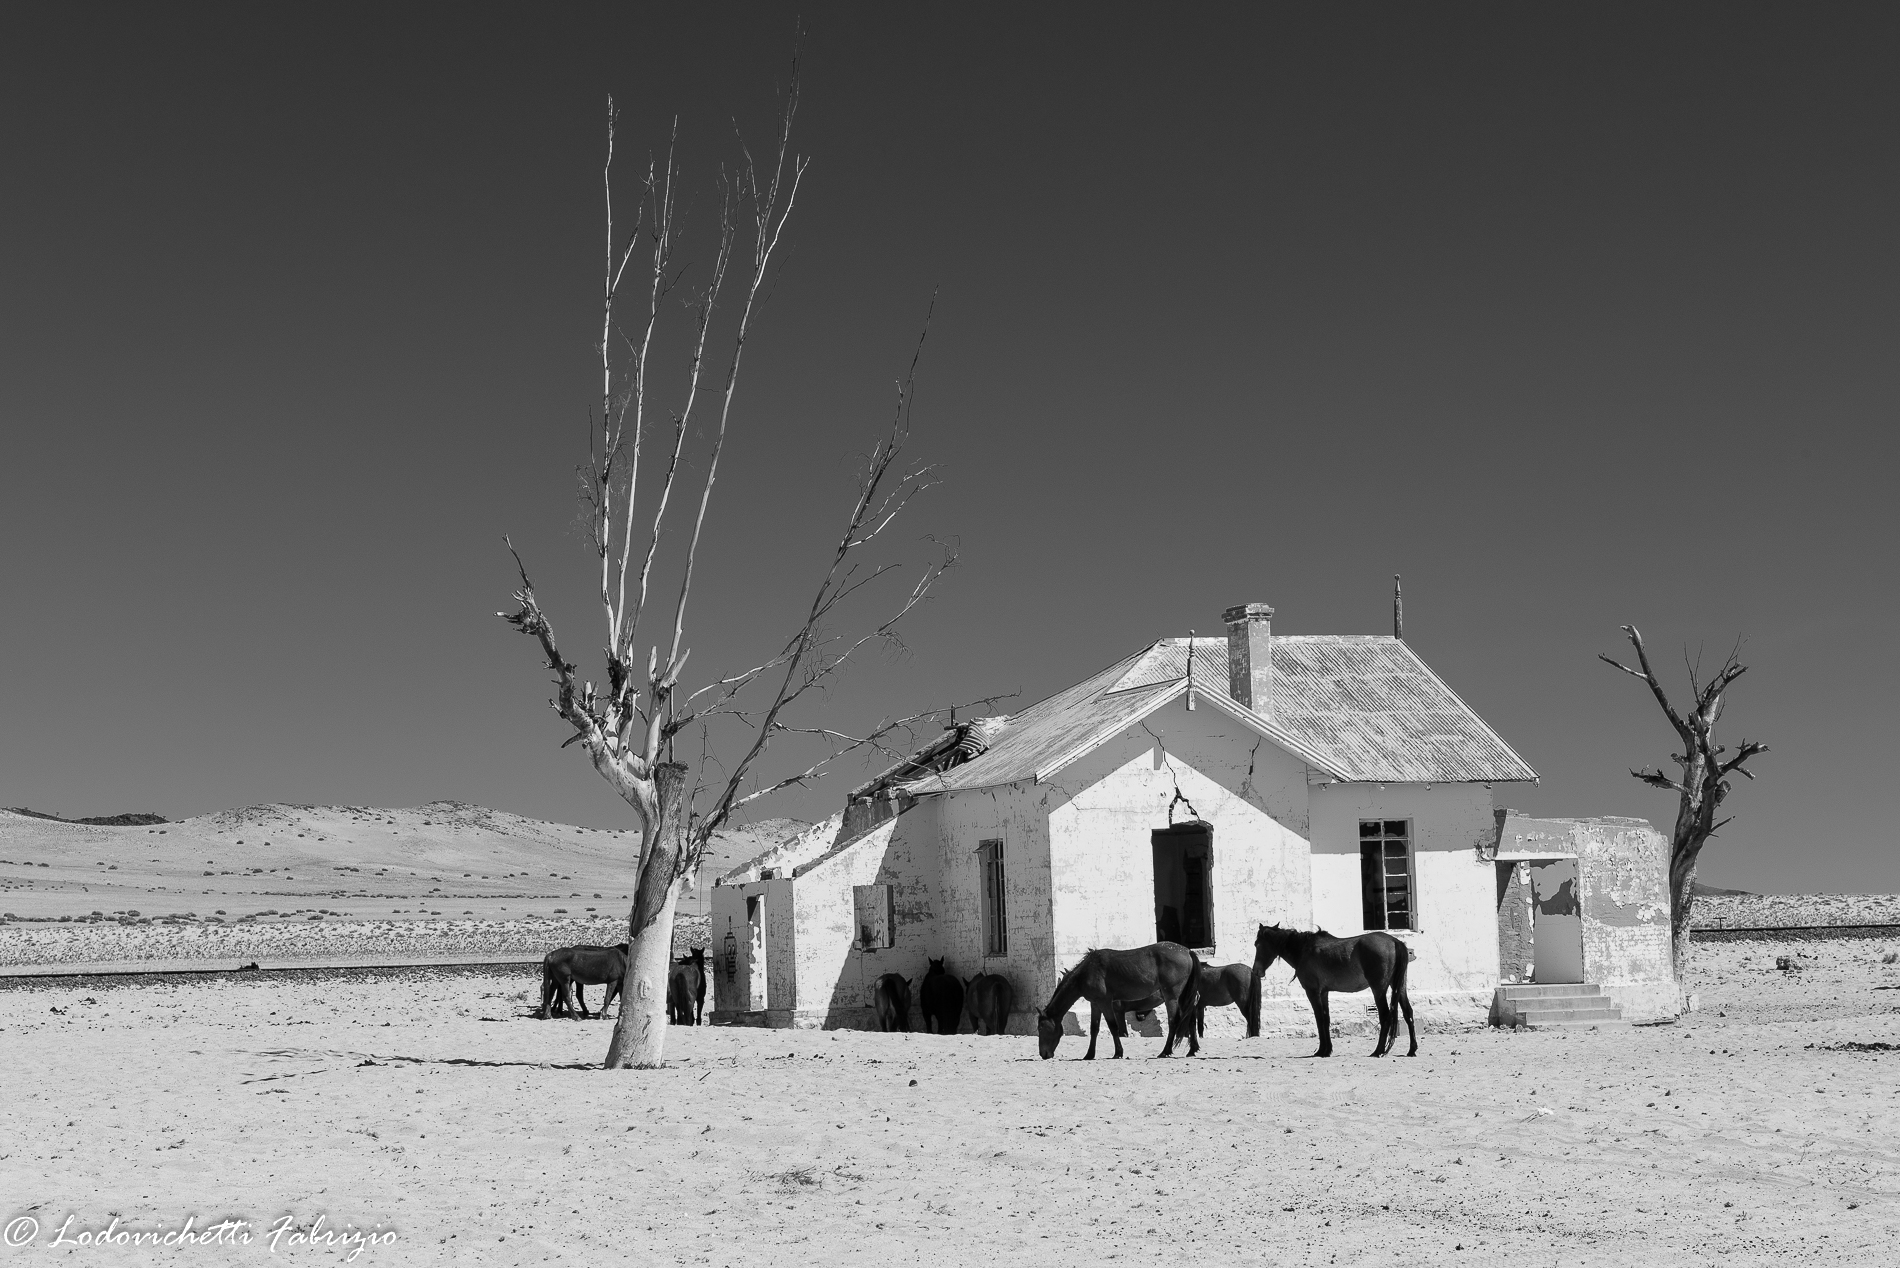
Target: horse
[
  {"x": 1324, "y": 963},
  {"x": 686, "y": 990},
  {"x": 1225, "y": 984},
  {"x": 1116, "y": 982},
  {"x": 989, "y": 997},
  {"x": 940, "y": 997},
  {"x": 579, "y": 968},
  {"x": 891, "y": 998}
]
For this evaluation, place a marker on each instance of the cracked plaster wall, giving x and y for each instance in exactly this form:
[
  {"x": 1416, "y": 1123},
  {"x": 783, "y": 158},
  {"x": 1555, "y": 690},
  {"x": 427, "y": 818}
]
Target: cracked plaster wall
[{"x": 1102, "y": 808}]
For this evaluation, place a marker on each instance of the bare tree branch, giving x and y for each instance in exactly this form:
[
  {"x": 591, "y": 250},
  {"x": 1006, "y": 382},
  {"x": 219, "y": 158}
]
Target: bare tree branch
[{"x": 1704, "y": 783}]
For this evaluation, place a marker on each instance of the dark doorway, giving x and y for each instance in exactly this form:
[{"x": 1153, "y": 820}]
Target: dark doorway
[{"x": 1184, "y": 884}]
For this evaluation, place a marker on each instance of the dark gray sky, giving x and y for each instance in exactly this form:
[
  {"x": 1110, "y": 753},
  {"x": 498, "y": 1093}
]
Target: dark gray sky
[{"x": 1574, "y": 315}]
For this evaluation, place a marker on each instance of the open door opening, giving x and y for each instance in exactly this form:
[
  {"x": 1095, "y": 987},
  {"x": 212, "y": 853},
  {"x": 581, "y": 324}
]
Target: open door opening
[
  {"x": 755, "y": 957},
  {"x": 1184, "y": 884},
  {"x": 1556, "y": 921}
]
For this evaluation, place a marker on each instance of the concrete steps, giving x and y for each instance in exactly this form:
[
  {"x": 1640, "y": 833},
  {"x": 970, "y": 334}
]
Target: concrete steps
[{"x": 1554, "y": 1006}]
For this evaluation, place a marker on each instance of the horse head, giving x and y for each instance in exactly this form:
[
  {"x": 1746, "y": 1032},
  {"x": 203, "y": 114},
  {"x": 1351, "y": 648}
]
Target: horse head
[
  {"x": 698, "y": 957},
  {"x": 1269, "y": 943},
  {"x": 1048, "y": 1034},
  {"x": 936, "y": 968}
]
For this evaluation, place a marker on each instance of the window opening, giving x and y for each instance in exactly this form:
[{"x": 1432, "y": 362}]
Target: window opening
[
  {"x": 876, "y": 914},
  {"x": 1184, "y": 883},
  {"x": 1385, "y": 873},
  {"x": 995, "y": 901}
]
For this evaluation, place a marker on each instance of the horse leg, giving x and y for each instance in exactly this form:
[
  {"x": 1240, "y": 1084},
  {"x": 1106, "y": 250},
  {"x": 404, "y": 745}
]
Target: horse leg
[
  {"x": 1117, "y": 1026},
  {"x": 1176, "y": 1017},
  {"x": 1322, "y": 1018},
  {"x": 613, "y": 993},
  {"x": 1405, "y": 1006},
  {"x": 1388, "y": 1021},
  {"x": 1095, "y": 1030}
]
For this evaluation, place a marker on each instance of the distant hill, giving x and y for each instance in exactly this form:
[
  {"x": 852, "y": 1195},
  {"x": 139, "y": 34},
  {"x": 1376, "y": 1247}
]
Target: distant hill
[
  {"x": 443, "y": 859},
  {"x": 1713, "y": 891},
  {"x": 104, "y": 821}
]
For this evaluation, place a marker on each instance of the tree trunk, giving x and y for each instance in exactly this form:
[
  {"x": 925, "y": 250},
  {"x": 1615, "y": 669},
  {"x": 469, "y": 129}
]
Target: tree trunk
[
  {"x": 1682, "y": 862},
  {"x": 639, "y": 1041}
]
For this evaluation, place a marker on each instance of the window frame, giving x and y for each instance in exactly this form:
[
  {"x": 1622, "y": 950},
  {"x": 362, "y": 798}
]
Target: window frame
[
  {"x": 993, "y": 892},
  {"x": 1383, "y": 838}
]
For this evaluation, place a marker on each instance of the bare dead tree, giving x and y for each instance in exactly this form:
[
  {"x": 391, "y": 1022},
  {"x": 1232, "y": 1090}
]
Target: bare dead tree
[
  {"x": 1703, "y": 784},
  {"x": 628, "y": 722}
]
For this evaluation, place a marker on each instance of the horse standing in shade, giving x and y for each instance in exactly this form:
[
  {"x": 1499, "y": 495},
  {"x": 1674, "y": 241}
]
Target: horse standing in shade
[
  {"x": 1224, "y": 984},
  {"x": 940, "y": 996},
  {"x": 989, "y": 997},
  {"x": 1164, "y": 975},
  {"x": 1324, "y": 963},
  {"x": 686, "y": 990},
  {"x": 579, "y": 968},
  {"x": 890, "y": 997}
]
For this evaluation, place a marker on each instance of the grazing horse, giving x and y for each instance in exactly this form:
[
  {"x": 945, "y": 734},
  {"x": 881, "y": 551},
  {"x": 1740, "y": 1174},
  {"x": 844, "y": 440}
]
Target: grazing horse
[
  {"x": 579, "y": 968},
  {"x": 686, "y": 990},
  {"x": 940, "y": 997},
  {"x": 1324, "y": 963},
  {"x": 1224, "y": 984},
  {"x": 989, "y": 997},
  {"x": 1116, "y": 982},
  {"x": 891, "y": 998}
]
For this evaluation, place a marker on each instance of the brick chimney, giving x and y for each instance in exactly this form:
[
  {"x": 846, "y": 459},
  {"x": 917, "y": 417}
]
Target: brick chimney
[{"x": 1250, "y": 656}]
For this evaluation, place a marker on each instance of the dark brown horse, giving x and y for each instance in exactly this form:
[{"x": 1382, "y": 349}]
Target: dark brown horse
[
  {"x": 686, "y": 990},
  {"x": 579, "y": 968},
  {"x": 1324, "y": 963},
  {"x": 1118, "y": 982},
  {"x": 989, "y": 997},
  {"x": 1224, "y": 984},
  {"x": 940, "y": 997},
  {"x": 890, "y": 997}
]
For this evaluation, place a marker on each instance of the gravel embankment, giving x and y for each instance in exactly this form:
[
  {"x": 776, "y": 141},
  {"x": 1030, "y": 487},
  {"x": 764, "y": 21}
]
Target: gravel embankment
[
  {"x": 24, "y": 945},
  {"x": 1783, "y": 911}
]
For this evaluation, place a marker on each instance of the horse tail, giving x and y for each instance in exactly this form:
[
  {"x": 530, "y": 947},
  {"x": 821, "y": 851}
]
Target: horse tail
[{"x": 1188, "y": 1004}]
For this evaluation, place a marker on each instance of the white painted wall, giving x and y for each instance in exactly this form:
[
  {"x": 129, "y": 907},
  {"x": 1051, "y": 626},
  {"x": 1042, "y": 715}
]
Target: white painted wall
[
  {"x": 1105, "y": 805},
  {"x": 1016, "y": 815},
  {"x": 1455, "y": 891}
]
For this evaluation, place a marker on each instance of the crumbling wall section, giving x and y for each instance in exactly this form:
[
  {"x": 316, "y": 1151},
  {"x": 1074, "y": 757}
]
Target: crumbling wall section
[
  {"x": 1516, "y": 951},
  {"x": 1624, "y": 870}
]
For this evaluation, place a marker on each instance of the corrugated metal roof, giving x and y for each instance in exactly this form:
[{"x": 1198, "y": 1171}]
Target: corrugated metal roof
[{"x": 1362, "y": 708}]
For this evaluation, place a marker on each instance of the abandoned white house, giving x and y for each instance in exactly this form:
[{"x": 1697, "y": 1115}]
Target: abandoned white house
[{"x": 1191, "y": 792}]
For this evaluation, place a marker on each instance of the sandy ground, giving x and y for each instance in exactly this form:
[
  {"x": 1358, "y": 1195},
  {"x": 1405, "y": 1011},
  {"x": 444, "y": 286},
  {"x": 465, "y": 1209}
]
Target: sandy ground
[{"x": 427, "y": 1107}]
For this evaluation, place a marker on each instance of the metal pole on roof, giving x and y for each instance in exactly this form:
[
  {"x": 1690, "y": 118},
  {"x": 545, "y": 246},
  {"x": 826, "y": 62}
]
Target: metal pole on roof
[
  {"x": 1190, "y": 690},
  {"x": 1398, "y": 609}
]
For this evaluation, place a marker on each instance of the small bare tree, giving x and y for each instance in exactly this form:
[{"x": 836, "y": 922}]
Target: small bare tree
[
  {"x": 1702, "y": 786},
  {"x": 627, "y": 723}
]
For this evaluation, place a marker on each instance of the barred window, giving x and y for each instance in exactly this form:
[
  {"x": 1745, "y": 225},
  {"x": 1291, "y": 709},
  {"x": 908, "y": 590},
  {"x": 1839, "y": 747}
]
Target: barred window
[
  {"x": 1385, "y": 873},
  {"x": 995, "y": 904}
]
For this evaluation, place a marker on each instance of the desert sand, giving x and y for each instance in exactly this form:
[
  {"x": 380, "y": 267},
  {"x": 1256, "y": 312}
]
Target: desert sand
[{"x": 428, "y": 1108}]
